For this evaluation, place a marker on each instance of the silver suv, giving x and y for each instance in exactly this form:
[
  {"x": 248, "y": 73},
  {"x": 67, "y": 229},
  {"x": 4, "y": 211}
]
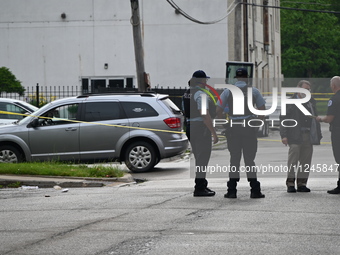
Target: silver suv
[{"x": 137, "y": 128}]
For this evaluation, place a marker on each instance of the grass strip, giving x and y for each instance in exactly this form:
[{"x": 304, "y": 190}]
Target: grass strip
[{"x": 60, "y": 169}]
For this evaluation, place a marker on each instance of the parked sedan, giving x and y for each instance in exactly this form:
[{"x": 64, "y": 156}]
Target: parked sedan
[{"x": 15, "y": 106}]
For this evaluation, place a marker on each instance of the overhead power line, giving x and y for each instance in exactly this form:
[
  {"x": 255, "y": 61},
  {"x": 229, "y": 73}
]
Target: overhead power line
[
  {"x": 291, "y": 8},
  {"x": 305, "y": 3},
  {"x": 231, "y": 9},
  {"x": 186, "y": 15}
]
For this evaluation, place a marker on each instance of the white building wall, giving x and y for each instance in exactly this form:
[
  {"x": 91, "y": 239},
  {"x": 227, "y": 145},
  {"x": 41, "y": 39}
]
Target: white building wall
[
  {"x": 40, "y": 47},
  {"x": 175, "y": 47},
  {"x": 267, "y": 63},
  {"x": 271, "y": 58}
]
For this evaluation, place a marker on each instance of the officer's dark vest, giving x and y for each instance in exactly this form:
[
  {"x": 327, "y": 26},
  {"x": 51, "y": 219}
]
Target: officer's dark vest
[
  {"x": 230, "y": 102},
  {"x": 190, "y": 105}
]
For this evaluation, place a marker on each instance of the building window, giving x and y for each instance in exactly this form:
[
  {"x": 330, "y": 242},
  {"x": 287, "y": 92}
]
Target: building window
[
  {"x": 277, "y": 16},
  {"x": 116, "y": 83},
  {"x": 261, "y": 8},
  {"x": 272, "y": 34},
  {"x": 97, "y": 84},
  {"x": 255, "y": 12}
]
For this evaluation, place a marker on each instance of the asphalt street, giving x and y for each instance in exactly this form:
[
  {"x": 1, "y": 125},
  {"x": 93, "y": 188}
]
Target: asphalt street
[{"x": 160, "y": 216}]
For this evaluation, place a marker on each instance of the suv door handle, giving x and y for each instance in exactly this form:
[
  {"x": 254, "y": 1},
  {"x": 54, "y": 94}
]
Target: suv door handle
[{"x": 70, "y": 129}]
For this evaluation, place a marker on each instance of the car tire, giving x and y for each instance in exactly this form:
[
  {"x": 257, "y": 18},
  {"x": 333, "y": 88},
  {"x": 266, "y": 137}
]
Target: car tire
[
  {"x": 10, "y": 154},
  {"x": 140, "y": 157}
]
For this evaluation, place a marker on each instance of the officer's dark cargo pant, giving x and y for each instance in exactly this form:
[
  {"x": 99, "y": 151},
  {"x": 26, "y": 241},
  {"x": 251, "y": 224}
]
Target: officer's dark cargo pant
[
  {"x": 242, "y": 140},
  {"x": 201, "y": 143}
]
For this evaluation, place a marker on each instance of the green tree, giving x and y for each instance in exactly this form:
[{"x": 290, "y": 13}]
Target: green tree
[
  {"x": 335, "y": 6},
  {"x": 309, "y": 40},
  {"x": 9, "y": 83}
]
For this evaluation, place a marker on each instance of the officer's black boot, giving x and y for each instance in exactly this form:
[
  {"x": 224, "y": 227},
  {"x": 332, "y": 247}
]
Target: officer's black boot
[
  {"x": 255, "y": 191},
  {"x": 336, "y": 190},
  {"x": 231, "y": 184}
]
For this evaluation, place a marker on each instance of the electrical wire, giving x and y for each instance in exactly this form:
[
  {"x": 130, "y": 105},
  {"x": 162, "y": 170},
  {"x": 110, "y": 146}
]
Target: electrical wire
[
  {"x": 293, "y": 9},
  {"x": 306, "y": 3},
  {"x": 183, "y": 13},
  {"x": 186, "y": 15}
]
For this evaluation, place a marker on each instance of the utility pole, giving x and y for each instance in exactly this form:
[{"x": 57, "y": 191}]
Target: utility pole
[
  {"x": 238, "y": 31},
  {"x": 245, "y": 31},
  {"x": 138, "y": 45}
]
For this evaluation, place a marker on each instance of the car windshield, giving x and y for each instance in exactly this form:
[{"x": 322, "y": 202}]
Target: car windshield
[
  {"x": 29, "y": 107},
  {"x": 29, "y": 118}
]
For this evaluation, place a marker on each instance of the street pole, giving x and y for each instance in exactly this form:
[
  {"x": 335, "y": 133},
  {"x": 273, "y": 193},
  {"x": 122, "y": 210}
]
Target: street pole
[
  {"x": 245, "y": 31},
  {"x": 138, "y": 45},
  {"x": 37, "y": 95},
  {"x": 238, "y": 31}
]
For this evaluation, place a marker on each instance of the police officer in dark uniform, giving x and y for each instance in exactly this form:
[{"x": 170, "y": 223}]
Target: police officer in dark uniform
[
  {"x": 333, "y": 117},
  {"x": 199, "y": 129},
  {"x": 241, "y": 137}
]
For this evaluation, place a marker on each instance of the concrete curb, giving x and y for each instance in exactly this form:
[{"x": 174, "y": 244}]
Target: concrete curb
[{"x": 63, "y": 182}]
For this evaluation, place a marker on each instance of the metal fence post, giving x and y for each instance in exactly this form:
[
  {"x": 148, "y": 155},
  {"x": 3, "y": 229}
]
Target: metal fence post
[{"x": 37, "y": 95}]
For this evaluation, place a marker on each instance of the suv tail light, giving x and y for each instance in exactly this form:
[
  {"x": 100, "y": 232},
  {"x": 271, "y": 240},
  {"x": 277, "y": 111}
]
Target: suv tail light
[{"x": 173, "y": 122}]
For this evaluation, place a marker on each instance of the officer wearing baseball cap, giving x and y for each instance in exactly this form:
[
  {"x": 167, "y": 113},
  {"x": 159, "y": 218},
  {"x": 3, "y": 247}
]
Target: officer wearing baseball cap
[
  {"x": 199, "y": 129},
  {"x": 241, "y": 73},
  {"x": 241, "y": 138}
]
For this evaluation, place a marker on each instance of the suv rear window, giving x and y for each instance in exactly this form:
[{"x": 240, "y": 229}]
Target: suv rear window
[
  {"x": 171, "y": 105},
  {"x": 97, "y": 111},
  {"x": 138, "y": 110}
]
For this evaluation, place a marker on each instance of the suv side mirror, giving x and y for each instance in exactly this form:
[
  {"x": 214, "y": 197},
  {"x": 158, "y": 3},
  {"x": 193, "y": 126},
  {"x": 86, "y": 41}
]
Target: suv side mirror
[{"x": 34, "y": 123}]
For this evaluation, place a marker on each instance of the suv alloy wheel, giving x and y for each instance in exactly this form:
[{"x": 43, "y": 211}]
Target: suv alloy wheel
[
  {"x": 140, "y": 157},
  {"x": 9, "y": 154}
]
